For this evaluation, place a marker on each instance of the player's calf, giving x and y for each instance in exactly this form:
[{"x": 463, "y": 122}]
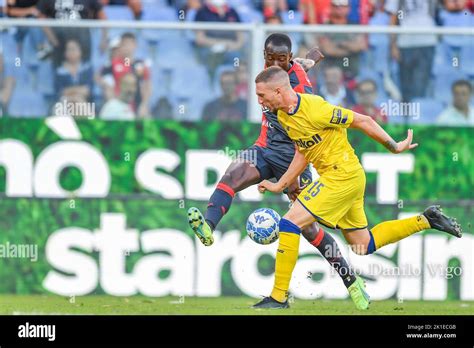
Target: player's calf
[
  {"x": 364, "y": 242},
  {"x": 329, "y": 249}
]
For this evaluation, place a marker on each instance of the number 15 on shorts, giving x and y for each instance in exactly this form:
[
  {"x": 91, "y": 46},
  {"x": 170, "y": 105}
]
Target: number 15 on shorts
[{"x": 315, "y": 188}]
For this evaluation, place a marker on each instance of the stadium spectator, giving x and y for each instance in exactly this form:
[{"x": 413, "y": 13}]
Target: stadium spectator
[
  {"x": 470, "y": 6},
  {"x": 342, "y": 49},
  {"x": 218, "y": 47},
  {"x": 413, "y": 50},
  {"x": 242, "y": 74},
  {"x": 271, "y": 8},
  {"x": 228, "y": 107},
  {"x": 7, "y": 83},
  {"x": 274, "y": 19},
  {"x": 460, "y": 113},
  {"x": 136, "y": 7},
  {"x": 120, "y": 108},
  {"x": 26, "y": 9},
  {"x": 366, "y": 94},
  {"x": 454, "y": 14},
  {"x": 360, "y": 11},
  {"x": 163, "y": 108},
  {"x": 333, "y": 89},
  {"x": 188, "y": 6},
  {"x": 22, "y": 8},
  {"x": 126, "y": 62},
  {"x": 71, "y": 10},
  {"x": 105, "y": 77},
  {"x": 455, "y": 5},
  {"x": 74, "y": 78},
  {"x": 315, "y": 11}
]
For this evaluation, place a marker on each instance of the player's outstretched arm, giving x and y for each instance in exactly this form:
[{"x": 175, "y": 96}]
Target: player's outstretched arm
[
  {"x": 297, "y": 166},
  {"x": 373, "y": 130}
]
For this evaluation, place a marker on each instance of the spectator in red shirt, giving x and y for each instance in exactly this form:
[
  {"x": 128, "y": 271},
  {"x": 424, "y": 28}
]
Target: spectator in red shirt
[
  {"x": 271, "y": 8},
  {"x": 366, "y": 94},
  {"x": 470, "y": 5},
  {"x": 126, "y": 62},
  {"x": 315, "y": 11},
  {"x": 318, "y": 11}
]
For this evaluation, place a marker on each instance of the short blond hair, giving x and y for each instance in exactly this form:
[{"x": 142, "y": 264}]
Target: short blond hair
[{"x": 273, "y": 74}]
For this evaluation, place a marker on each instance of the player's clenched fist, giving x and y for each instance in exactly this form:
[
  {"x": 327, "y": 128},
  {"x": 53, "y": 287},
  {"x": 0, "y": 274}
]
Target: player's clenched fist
[
  {"x": 266, "y": 185},
  {"x": 315, "y": 54}
]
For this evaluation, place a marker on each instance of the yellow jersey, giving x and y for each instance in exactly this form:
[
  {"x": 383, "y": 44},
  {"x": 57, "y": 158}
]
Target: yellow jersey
[{"x": 319, "y": 129}]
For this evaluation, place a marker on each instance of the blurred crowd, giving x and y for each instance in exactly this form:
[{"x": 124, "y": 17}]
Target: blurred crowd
[{"x": 204, "y": 75}]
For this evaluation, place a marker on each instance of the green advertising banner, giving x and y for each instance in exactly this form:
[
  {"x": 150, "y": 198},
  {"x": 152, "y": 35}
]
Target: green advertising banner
[{"x": 100, "y": 207}]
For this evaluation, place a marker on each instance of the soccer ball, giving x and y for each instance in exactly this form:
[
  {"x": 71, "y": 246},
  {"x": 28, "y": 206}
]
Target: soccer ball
[{"x": 262, "y": 226}]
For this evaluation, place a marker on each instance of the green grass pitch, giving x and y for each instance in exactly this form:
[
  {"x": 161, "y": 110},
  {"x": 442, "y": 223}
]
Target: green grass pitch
[{"x": 105, "y": 305}]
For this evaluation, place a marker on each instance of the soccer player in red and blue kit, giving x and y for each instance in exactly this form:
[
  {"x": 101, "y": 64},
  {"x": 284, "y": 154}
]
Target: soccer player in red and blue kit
[{"x": 268, "y": 158}]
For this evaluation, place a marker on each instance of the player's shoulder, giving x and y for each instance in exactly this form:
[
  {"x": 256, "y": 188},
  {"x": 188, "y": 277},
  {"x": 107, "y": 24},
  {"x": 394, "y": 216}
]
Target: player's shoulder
[
  {"x": 299, "y": 79},
  {"x": 296, "y": 67},
  {"x": 312, "y": 98},
  {"x": 297, "y": 72}
]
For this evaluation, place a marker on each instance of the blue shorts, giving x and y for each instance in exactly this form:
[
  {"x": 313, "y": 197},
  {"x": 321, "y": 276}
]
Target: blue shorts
[{"x": 272, "y": 164}]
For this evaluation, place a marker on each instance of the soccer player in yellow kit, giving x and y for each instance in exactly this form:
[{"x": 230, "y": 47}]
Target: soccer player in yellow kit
[{"x": 336, "y": 199}]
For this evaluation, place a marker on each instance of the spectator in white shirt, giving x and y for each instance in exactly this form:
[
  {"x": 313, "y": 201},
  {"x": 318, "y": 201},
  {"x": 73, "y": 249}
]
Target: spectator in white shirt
[
  {"x": 120, "y": 108},
  {"x": 460, "y": 113},
  {"x": 333, "y": 89}
]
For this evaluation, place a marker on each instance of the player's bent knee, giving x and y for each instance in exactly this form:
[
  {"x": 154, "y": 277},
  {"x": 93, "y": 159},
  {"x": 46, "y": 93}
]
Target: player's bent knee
[
  {"x": 231, "y": 180},
  {"x": 227, "y": 179},
  {"x": 359, "y": 249},
  {"x": 239, "y": 178},
  {"x": 361, "y": 241},
  {"x": 299, "y": 215},
  {"x": 288, "y": 227},
  {"x": 366, "y": 248}
]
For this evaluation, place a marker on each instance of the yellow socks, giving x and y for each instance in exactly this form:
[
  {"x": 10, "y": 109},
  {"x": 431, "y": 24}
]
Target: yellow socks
[
  {"x": 388, "y": 232},
  {"x": 286, "y": 258}
]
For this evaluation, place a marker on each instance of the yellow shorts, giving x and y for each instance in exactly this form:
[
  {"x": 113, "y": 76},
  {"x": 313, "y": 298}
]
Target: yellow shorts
[{"x": 337, "y": 201}]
